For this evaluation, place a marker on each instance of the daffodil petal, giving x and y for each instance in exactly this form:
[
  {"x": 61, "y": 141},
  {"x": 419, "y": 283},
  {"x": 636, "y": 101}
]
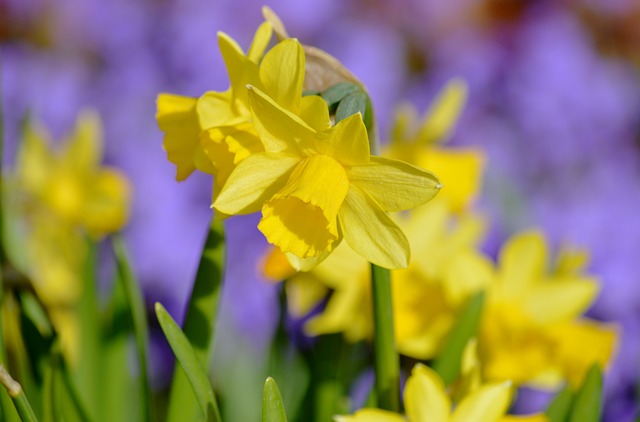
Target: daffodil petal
[
  {"x": 315, "y": 112},
  {"x": 559, "y": 300},
  {"x": 393, "y": 184},
  {"x": 282, "y": 73},
  {"x": 84, "y": 150},
  {"x": 347, "y": 141},
  {"x": 443, "y": 113},
  {"x": 260, "y": 42},
  {"x": 253, "y": 181},
  {"x": 371, "y": 233},
  {"x": 460, "y": 171},
  {"x": 370, "y": 415},
  {"x": 35, "y": 160},
  {"x": 487, "y": 404},
  {"x": 522, "y": 262},
  {"x": 178, "y": 119},
  {"x": 425, "y": 398},
  {"x": 403, "y": 122},
  {"x": 240, "y": 69},
  {"x": 304, "y": 292},
  {"x": 106, "y": 209},
  {"x": 466, "y": 273},
  {"x": 279, "y": 129},
  {"x": 214, "y": 109}
]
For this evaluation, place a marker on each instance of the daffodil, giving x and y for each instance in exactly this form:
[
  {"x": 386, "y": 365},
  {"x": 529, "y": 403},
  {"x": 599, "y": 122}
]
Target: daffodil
[
  {"x": 51, "y": 201},
  {"x": 532, "y": 331},
  {"x": 316, "y": 187},
  {"x": 214, "y": 132},
  {"x": 426, "y": 400},
  {"x": 459, "y": 169},
  {"x": 71, "y": 184}
]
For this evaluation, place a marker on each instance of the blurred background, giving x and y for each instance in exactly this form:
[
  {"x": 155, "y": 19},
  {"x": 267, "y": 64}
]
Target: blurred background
[{"x": 554, "y": 100}]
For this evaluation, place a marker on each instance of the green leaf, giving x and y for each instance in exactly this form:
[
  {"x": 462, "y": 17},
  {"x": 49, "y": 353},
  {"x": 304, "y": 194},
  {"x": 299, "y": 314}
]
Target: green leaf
[
  {"x": 352, "y": 104},
  {"x": 447, "y": 364},
  {"x": 199, "y": 322},
  {"x": 272, "y": 406},
  {"x": 560, "y": 406},
  {"x": 188, "y": 360},
  {"x": 588, "y": 401},
  {"x": 118, "y": 386},
  {"x": 336, "y": 93},
  {"x": 86, "y": 370},
  {"x": 34, "y": 311},
  {"x": 140, "y": 323}
]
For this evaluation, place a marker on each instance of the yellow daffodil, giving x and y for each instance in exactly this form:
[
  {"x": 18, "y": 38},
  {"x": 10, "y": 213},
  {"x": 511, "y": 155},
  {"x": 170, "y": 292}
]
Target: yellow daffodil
[
  {"x": 214, "y": 133},
  {"x": 71, "y": 184},
  {"x": 426, "y": 400},
  {"x": 51, "y": 200},
  {"x": 316, "y": 187},
  {"x": 531, "y": 330},
  {"x": 459, "y": 169}
]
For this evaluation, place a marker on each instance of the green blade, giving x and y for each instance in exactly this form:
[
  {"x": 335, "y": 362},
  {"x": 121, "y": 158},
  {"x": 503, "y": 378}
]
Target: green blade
[
  {"x": 588, "y": 401},
  {"x": 272, "y": 406},
  {"x": 199, "y": 322},
  {"x": 189, "y": 362},
  {"x": 560, "y": 406},
  {"x": 448, "y": 362},
  {"x": 140, "y": 323}
]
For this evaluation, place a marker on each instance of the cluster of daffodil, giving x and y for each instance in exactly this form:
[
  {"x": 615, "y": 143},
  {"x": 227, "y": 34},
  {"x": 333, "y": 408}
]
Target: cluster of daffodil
[
  {"x": 293, "y": 138},
  {"x": 52, "y": 201}
]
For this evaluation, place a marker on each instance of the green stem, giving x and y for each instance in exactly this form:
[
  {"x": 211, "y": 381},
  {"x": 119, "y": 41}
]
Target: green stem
[
  {"x": 17, "y": 395},
  {"x": 386, "y": 360}
]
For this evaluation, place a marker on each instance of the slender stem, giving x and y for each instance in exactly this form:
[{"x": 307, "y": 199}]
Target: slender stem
[
  {"x": 386, "y": 360},
  {"x": 17, "y": 395}
]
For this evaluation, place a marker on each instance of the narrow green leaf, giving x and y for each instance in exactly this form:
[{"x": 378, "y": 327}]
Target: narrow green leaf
[
  {"x": 188, "y": 360},
  {"x": 588, "y": 400},
  {"x": 118, "y": 386},
  {"x": 272, "y": 406},
  {"x": 34, "y": 311},
  {"x": 352, "y": 104},
  {"x": 336, "y": 93},
  {"x": 140, "y": 323},
  {"x": 560, "y": 406},
  {"x": 447, "y": 364},
  {"x": 199, "y": 322}
]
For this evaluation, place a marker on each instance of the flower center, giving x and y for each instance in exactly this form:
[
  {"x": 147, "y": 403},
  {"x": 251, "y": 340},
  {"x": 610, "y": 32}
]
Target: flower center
[{"x": 302, "y": 217}]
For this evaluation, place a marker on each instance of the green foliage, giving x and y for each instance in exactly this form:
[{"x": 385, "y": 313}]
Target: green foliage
[
  {"x": 448, "y": 362},
  {"x": 199, "y": 322},
  {"x": 188, "y": 360},
  {"x": 272, "y": 406}
]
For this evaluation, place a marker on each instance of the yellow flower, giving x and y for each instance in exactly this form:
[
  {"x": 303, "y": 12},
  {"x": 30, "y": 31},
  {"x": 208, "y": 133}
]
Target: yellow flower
[
  {"x": 316, "y": 187},
  {"x": 426, "y": 400},
  {"x": 425, "y": 306},
  {"x": 459, "y": 169},
  {"x": 215, "y": 132},
  {"x": 71, "y": 184},
  {"x": 531, "y": 330},
  {"x": 50, "y": 201}
]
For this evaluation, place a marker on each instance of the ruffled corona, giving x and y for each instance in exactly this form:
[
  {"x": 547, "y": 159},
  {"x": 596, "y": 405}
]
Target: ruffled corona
[{"x": 302, "y": 217}]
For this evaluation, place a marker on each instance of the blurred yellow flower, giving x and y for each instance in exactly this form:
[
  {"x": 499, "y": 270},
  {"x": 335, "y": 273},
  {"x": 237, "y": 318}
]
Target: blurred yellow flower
[
  {"x": 425, "y": 306},
  {"x": 459, "y": 169},
  {"x": 316, "y": 187},
  {"x": 51, "y": 201},
  {"x": 426, "y": 400},
  {"x": 532, "y": 331}
]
